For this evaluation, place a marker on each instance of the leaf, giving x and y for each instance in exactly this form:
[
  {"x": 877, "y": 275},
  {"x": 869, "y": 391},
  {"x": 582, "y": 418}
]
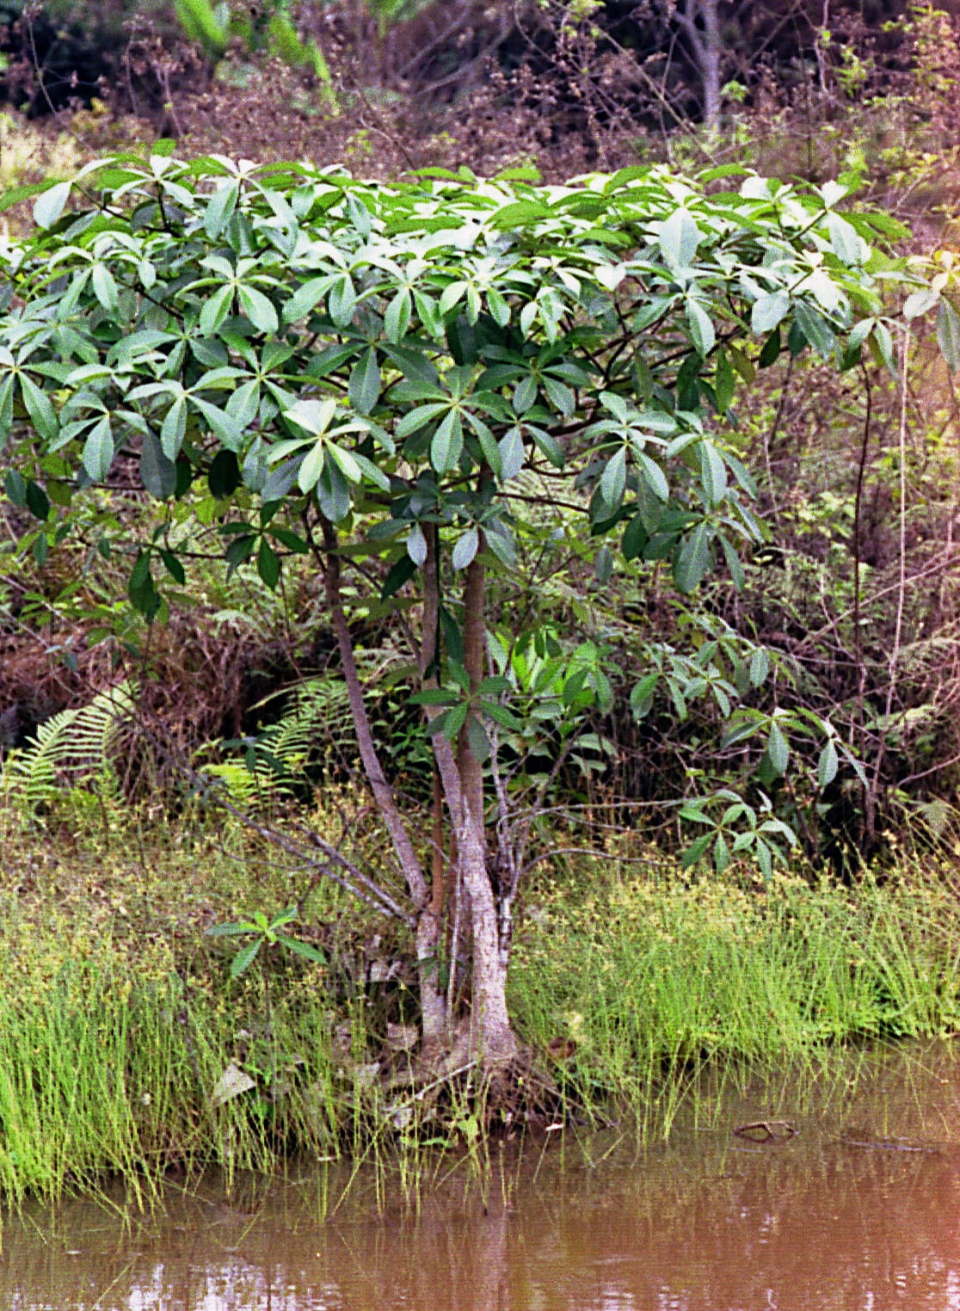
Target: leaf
[
  {"x": 397, "y": 575},
  {"x": 759, "y": 667},
  {"x": 948, "y": 334},
  {"x": 769, "y": 311},
  {"x": 38, "y": 502},
  {"x": 157, "y": 473},
  {"x": 827, "y": 766},
  {"x": 312, "y": 467},
  {"x": 232, "y": 1082},
  {"x": 815, "y": 329},
  {"x": 417, "y": 545},
  {"x": 920, "y": 302},
  {"x": 313, "y": 415},
  {"x": 614, "y": 480},
  {"x": 268, "y": 565},
  {"x": 259, "y": 309},
  {"x": 174, "y": 427},
  {"x": 304, "y": 949},
  {"x": 778, "y": 749},
  {"x": 695, "y": 851},
  {"x": 679, "y": 238},
  {"x": 215, "y": 310},
  {"x": 245, "y": 957},
  {"x": 98, "y": 451},
  {"x": 396, "y": 321},
  {"x": 364, "y": 389},
  {"x": 220, "y": 207},
  {"x": 306, "y": 298},
  {"x": 724, "y": 382},
  {"x": 342, "y": 300},
  {"x": 465, "y": 549},
  {"x": 713, "y": 473},
  {"x": 693, "y": 560},
  {"x": 223, "y": 476},
  {"x": 39, "y": 408},
  {"x": 702, "y": 331},
  {"x": 50, "y": 205},
  {"x": 447, "y": 444}
]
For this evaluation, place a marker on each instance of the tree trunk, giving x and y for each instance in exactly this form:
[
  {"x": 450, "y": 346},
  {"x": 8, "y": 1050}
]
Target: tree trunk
[
  {"x": 491, "y": 1033},
  {"x": 432, "y": 1002}
]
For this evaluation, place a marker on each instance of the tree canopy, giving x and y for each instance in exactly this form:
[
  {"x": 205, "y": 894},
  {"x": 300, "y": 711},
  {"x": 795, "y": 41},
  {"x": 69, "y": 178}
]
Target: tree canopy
[{"x": 412, "y": 381}]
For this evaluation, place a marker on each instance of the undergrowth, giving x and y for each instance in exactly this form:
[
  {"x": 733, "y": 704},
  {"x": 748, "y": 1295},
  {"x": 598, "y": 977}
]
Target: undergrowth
[{"x": 126, "y": 1048}]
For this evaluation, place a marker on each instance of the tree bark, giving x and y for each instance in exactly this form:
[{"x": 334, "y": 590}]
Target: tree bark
[
  {"x": 432, "y": 1004},
  {"x": 491, "y": 1032}
]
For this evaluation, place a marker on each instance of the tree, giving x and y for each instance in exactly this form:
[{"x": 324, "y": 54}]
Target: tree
[{"x": 404, "y": 381}]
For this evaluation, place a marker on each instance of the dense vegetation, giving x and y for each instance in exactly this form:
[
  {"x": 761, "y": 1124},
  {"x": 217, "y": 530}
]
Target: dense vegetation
[{"x": 642, "y": 491}]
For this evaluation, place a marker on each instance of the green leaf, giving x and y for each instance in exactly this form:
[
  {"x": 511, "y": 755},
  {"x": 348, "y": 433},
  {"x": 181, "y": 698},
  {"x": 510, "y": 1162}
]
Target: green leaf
[
  {"x": 447, "y": 444},
  {"x": 303, "y": 949},
  {"x": 679, "y": 238},
  {"x": 713, "y": 473},
  {"x": 827, "y": 766},
  {"x": 696, "y": 850},
  {"x": 724, "y": 382},
  {"x": 702, "y": 331},
  {"x": 173, "y": 429},
  {"x": 37, "y": 501},
  {"x": 769, "y": 311},
  {"x": 693, "y": 560},
  {"x": 759, "y": 667},
  {"x": 614, "y": 480},
  {"x": 230, "y": 930},
  {"x": 778, "y": 749},
  {"x": 364, "y": 389},
  {"x": 223, "y": 476},
  {"x": 815, "y": 329},
  {"x": 342, "y": 300},
  {"x": 259, "y": 309},
  {"x": 465, "y": 549},
  {"x": 220, "y": 207},
  {"x": 312, "y": 467},
  {"x": 268, "y": 565},
  {"x": 50, "y": 205},
  {"x": 98, "y": 450},
  {"x": 157, "y": 473},
  {"x": 216, "y": 308},
  {"x": 948, "y": 334},
  {"x": 245, "y": 957},
  {"x": 39, "y": 408},
  {"x": 15, "y": 488},
  {"x": 396, "y": 321},
  {"x": 306, "y": 298}
]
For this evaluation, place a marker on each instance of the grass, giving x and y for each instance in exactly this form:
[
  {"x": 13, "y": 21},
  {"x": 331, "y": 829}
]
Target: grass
[{"x": 122, "y": 1035}]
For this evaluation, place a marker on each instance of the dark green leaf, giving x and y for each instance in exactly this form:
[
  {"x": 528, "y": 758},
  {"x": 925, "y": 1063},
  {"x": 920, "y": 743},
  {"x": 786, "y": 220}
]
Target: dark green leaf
[
  {"x": 223, "y": 476},
  {"x": 268, "y": 565},
  {"x": 245, "y": 957},
  {"x": 157, "y": 473},
  {"x": 693, "y": 560}
]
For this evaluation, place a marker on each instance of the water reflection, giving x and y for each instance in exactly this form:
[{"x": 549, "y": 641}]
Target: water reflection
[{"x": 709, "y": 1223}]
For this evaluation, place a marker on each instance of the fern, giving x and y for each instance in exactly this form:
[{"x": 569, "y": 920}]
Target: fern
[{"x": 71, "y": 747}]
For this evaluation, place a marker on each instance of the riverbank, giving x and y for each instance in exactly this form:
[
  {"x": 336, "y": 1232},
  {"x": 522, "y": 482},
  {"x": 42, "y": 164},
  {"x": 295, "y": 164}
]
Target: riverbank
[{"x": 126, "y": 1047}]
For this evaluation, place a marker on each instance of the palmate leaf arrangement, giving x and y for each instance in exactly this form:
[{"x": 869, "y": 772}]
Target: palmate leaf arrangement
[{"x": 406, "y": 372}]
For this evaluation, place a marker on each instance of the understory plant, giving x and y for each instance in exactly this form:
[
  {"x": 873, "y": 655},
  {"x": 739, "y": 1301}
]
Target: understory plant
[{"x": 438, "y": 392}]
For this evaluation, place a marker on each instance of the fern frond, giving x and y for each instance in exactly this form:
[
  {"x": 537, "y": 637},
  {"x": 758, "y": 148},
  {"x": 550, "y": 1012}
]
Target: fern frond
[{"x": 70, "y": 746}]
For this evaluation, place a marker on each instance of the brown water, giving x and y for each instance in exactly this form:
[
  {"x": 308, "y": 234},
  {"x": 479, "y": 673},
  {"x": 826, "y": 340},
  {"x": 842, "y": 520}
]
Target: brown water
[{"x": 842, "y": 1216}]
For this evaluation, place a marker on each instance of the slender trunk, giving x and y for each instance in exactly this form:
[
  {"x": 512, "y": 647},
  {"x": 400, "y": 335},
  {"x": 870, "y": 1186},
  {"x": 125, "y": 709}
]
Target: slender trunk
[
  {"x": 491, "y": 1032},
  {"x": 432, "y": 1006},
  {"x": 710, "y": 69}
]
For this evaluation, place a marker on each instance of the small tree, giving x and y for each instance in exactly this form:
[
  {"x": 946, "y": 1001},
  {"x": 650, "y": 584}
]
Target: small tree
[{"x": 402, "y": 380}]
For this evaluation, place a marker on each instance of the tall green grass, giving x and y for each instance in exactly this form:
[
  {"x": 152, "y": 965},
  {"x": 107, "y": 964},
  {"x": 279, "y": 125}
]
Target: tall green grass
[
  {"x": 119, "y": 1020},
  {"x": 648, "y": 981}
]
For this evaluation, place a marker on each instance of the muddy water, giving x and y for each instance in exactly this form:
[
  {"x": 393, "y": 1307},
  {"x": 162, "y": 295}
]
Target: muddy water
[{"x": 858, "y": 1210}]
